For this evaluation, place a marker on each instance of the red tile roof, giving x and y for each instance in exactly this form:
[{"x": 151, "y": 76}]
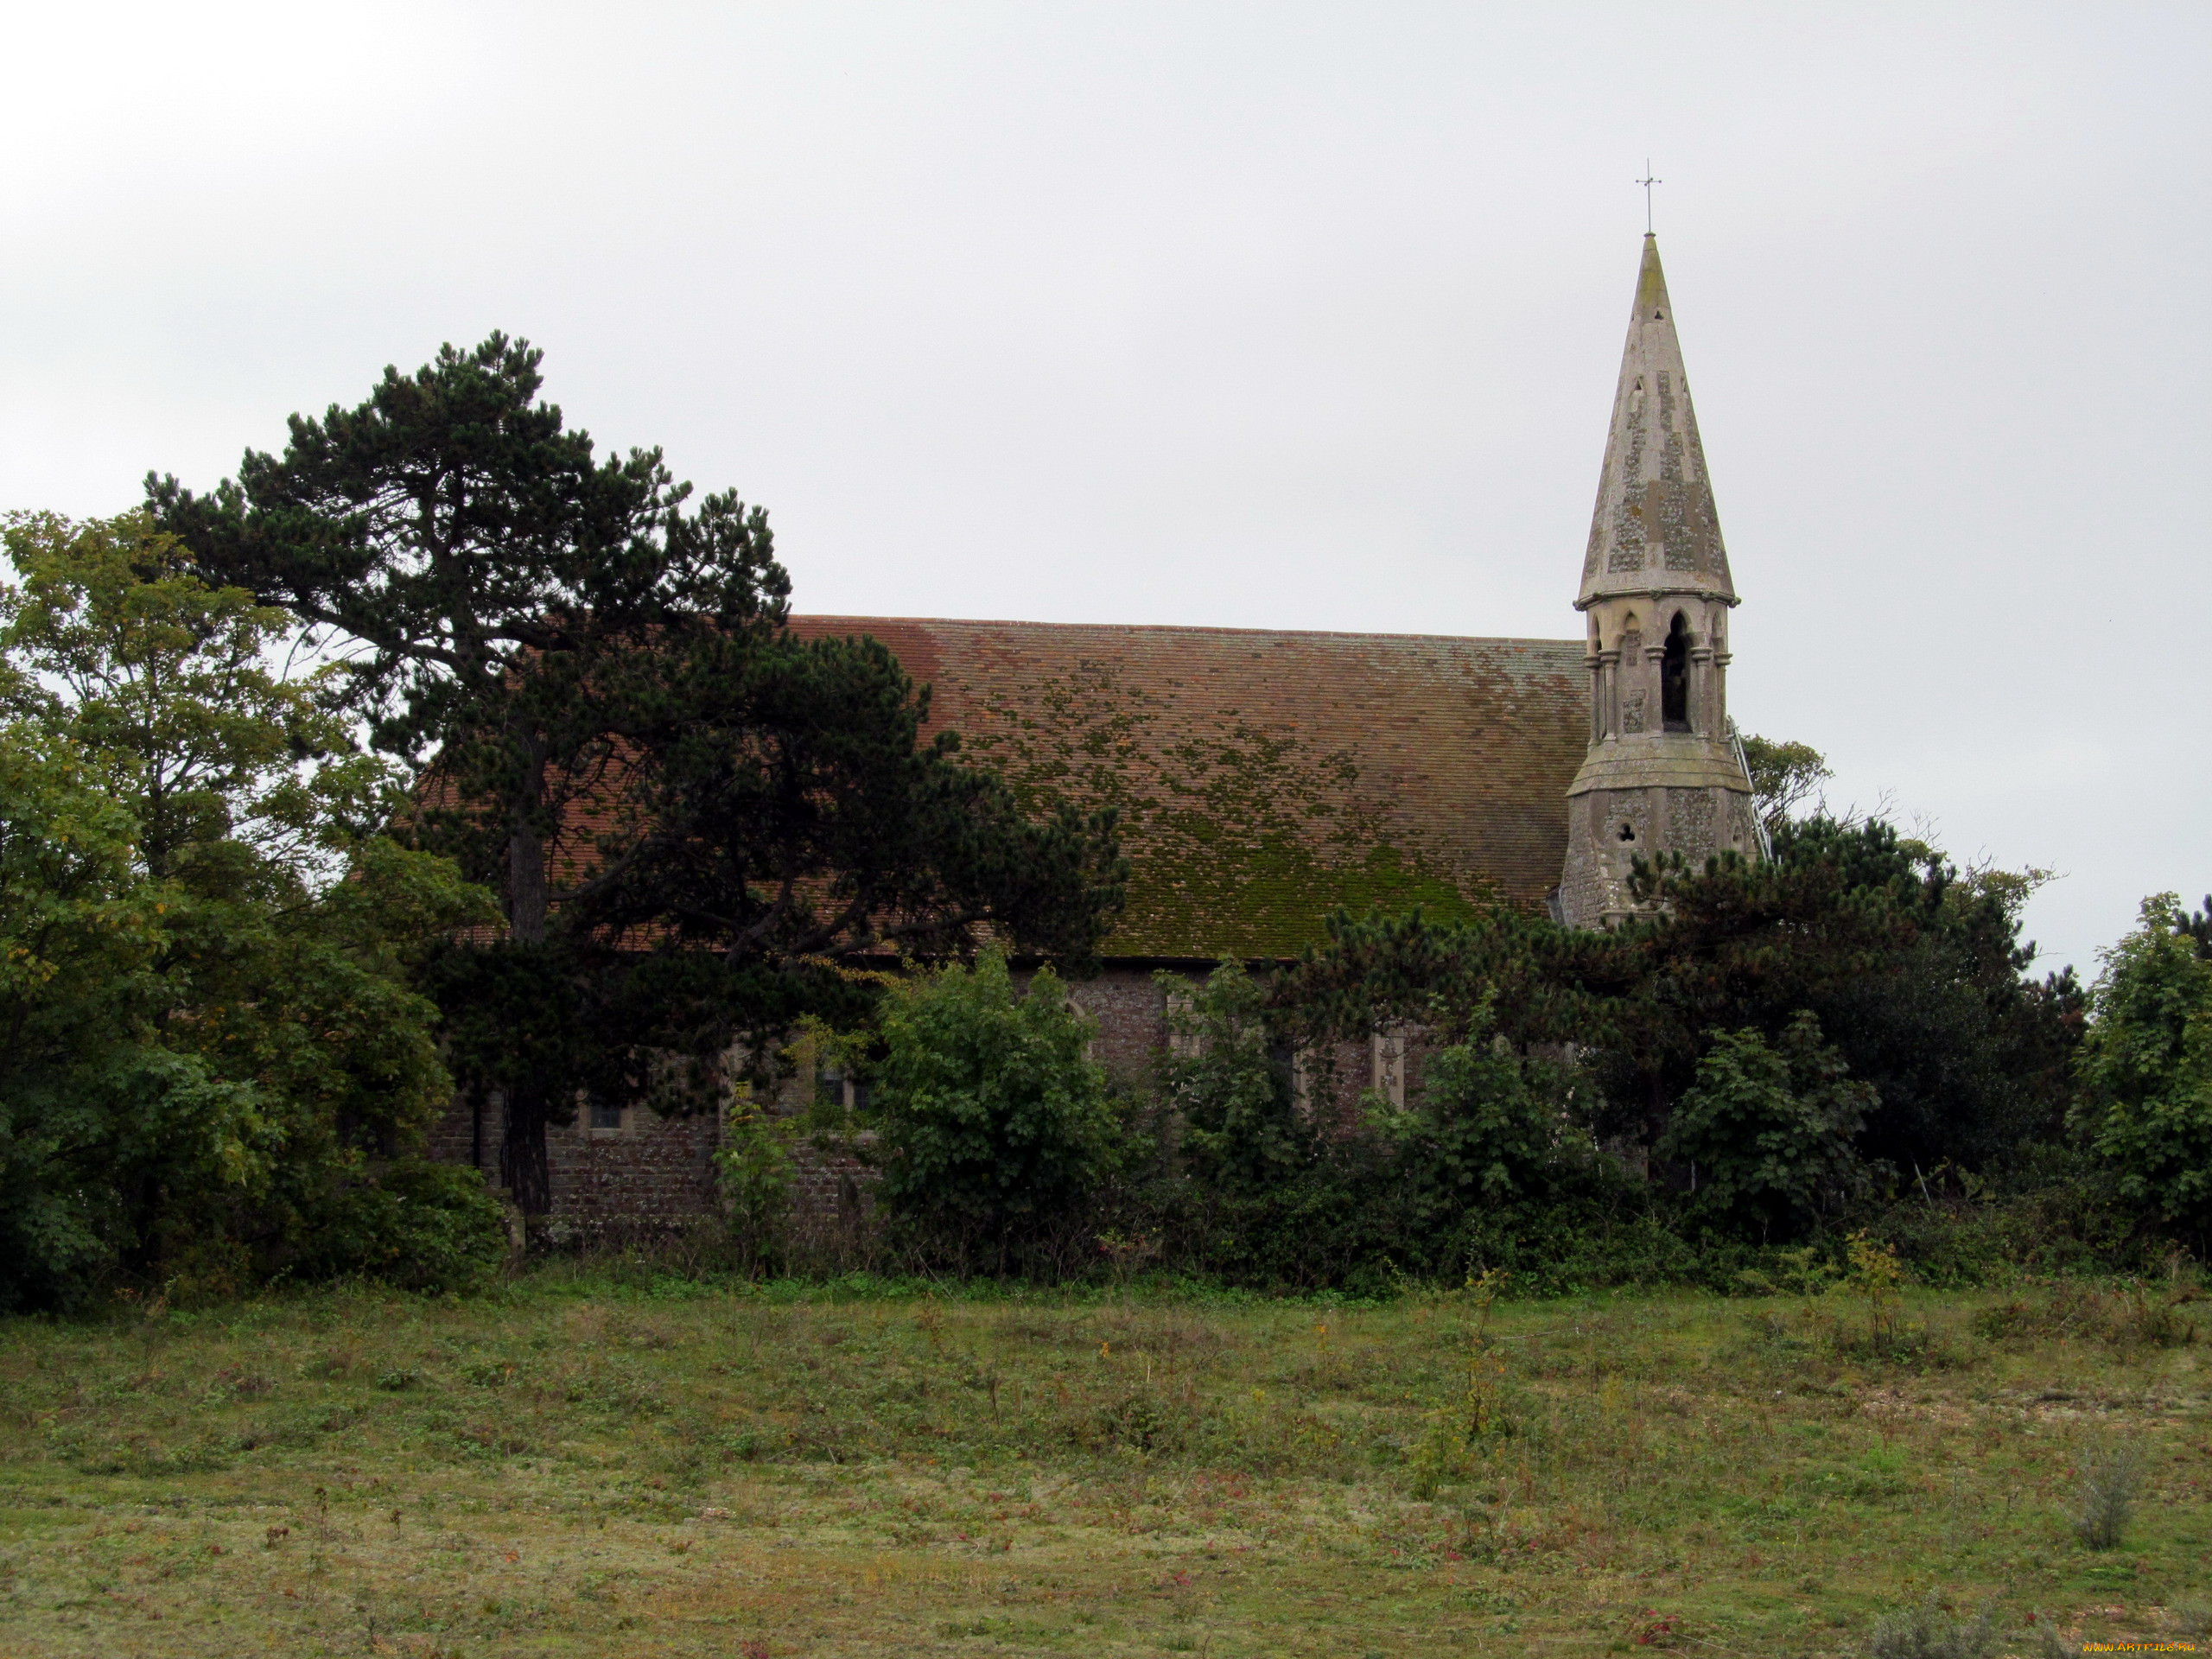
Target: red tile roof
[{"x": 1265, "y": 778}]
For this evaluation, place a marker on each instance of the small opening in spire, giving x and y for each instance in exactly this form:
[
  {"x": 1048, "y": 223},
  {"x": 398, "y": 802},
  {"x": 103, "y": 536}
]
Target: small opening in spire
[
  {"x": 1628, "y": 832},
  {"x": 1675, "y": 677}
]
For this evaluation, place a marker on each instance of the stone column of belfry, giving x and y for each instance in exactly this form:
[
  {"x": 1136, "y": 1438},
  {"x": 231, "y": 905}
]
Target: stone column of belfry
[{"x": 1662, "y": 774}]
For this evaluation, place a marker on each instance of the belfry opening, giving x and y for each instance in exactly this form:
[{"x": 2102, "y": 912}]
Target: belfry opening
[{"x": 1675, "y": 677}]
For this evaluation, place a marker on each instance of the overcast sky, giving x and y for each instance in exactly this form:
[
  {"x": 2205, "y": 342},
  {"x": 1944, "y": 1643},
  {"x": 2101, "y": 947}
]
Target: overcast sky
[{"x": 1267, "y": 315}]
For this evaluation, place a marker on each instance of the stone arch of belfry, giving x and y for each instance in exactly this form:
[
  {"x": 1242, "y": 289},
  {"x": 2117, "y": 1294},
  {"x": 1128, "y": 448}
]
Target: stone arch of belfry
[{"x": 1650, "y": 784}]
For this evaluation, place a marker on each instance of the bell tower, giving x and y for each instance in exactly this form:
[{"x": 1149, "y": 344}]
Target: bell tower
[{"x": 1663, "y": 773}]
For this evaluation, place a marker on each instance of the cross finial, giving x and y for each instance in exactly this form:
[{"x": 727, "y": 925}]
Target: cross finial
[{"x": 1647, "y": 181}]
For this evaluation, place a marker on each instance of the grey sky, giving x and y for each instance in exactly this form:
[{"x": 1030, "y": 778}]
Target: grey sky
[{"x": 1264, "y": 315}]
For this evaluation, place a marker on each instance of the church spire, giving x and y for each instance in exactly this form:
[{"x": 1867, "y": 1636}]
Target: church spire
[
  {"x": 1655, "y": 529},
  {"x": 1662, "y": 774}
]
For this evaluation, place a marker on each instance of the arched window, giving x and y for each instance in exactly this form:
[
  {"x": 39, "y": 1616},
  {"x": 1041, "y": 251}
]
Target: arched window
[{"x": 1675, "y": 677}]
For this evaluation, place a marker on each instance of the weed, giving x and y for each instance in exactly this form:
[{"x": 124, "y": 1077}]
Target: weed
[
  {"x": 1877, "y": 1278},
  {"x": 1457, "y": 1437},
  {"x": 2106, "y": 1499},
  {"x": 234, "y": 1383},
  {"x": 1928, "y": 1631},
  {"x": 2125, "y": 1318}
]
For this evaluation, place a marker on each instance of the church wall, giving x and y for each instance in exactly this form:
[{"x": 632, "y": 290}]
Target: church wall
[
  {"x": 1131, "y": 1009},
  {"x": 651, "y": 1169}
]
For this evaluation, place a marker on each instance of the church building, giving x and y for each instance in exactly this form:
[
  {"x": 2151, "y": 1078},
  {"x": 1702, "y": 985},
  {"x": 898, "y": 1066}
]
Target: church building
[{"x": 1265, "y": 779}]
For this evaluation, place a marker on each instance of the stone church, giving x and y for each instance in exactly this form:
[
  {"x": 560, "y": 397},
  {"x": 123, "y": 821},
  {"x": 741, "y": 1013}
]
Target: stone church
[{"x": 1266, "y": 779}]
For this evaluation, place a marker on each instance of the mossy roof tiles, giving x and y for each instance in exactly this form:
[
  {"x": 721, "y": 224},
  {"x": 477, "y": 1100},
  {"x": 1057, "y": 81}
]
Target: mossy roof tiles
[{"x": 1265, "y": 778}]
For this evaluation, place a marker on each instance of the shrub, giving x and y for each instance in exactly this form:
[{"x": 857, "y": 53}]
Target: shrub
[
  {"x": 2110, "y": 1480},
  {"x": 993, "y": 1120},
  {"x": 1929, "y": 1633},
  {"x": 2145, "y": 1066},
  {"x": 754, "y": 1164},
  {"x": 1494, "y": 1127},
  {"x": 1768, "y": 1129},
  {"x": 1229, "y": 1085},
  {"x": 2130, "y": 1317},
  {"x": 413, "y": 1225}
]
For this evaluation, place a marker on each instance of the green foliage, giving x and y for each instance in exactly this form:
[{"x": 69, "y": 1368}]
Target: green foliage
[
  {"x": 1768, "y": 1128},
  {"x": 1914, "y": 977},
  {"x": 211, "y": 1044},
  {"x": 1229, "y": 1086},
  {"x": 411, "y": 1223},
  {"x": 1497, "y": 1128},
  {"x": 163, "y": 686},
  {"x": 691, "y": 816},
  {"x": 2146, "y": 1067},
  {"x": 79, "y": 934},
  {"x": 1488, "y": 1166},
  {"x": 753, "y": 1163},
  {"x": 993, "y": 1120},
  {"x": 1784, "y": 777}
]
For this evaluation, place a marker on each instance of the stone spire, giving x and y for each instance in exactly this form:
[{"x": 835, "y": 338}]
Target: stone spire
[
  {"x": 1662, "y": 774},
  {"x": 1654, "y": 526}
]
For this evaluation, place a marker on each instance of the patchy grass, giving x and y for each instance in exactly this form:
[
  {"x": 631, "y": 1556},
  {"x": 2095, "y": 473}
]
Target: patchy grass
[{"x": 580, "y": 1467}]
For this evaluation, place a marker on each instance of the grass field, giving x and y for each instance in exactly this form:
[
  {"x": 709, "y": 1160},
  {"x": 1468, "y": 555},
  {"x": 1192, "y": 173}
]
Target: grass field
[{"x": 579, "y": 1465}]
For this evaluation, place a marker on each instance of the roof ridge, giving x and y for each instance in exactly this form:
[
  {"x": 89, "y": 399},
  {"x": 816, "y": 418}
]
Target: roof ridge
[{"x": 1181, "y": 627}]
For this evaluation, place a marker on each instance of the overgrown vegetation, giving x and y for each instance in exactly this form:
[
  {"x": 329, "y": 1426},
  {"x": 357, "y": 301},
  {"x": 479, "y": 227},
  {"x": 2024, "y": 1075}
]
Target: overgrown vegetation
[
  {"x": 569, "y": 815},
  {"x": 610, "y": 1458},
  {"x": 565, "y": 814},
  {"x": 1843, "y": 1040},
  {"x": 694, "y": 820},
  {"x": 215, "y": 1063},
  {"x": 994, "y": 1118}
]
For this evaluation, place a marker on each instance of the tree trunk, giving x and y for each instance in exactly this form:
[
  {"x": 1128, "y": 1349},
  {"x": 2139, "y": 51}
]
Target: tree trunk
[
  {"x": 1655, "y": 1117},
  {"x": 525, "y": 885},
  {"x": 524, "y": 1170},
  {"x": 526, "y": 880}
]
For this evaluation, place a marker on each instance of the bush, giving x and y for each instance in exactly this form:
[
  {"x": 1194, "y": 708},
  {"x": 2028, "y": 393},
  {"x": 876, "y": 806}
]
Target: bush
[
  {"x": 757, "y": 1181},
  {"x": 413, "y": 1225},
  {"x": 1768, "y": 1130},
  {"x": 993, "y": 1120},
  {"x": 1929, "y": 1633},
  {"x": 2106, "y": 1502},
  {"x": 1228, "y": 1084},
  {"x": 2146, "y": 1067},
  {"x": 1494, "y": 1128},
  {"x": 2125, "y": 1319}
]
